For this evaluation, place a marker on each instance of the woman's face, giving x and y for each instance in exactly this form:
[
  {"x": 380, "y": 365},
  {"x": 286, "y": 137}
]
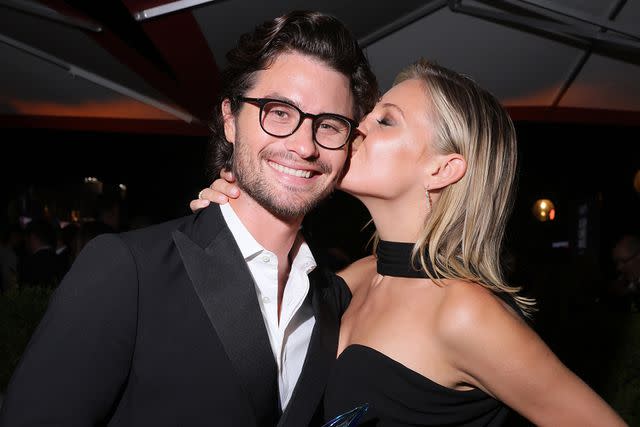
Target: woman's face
[{"x": 389, "y": 161}]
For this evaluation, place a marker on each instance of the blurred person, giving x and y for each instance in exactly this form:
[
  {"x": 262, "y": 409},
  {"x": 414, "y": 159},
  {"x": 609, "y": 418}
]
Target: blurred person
[
  {"x": 10, "y": 239},
  {"x": 88, "y": 231},
  {"x": 41, "y": 266},
  {"x": 218, "y": 318},
  {"x": 624, "y": 291},
  {"x": 434, "y": 335},
  {"x": 109, "y": 210},
  {"x": 66, "y": 247}
]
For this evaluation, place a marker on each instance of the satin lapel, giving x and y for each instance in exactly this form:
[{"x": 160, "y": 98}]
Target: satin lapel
[
  {"x": 226, "y": 289},
  {"x": 320, "y": 356}
]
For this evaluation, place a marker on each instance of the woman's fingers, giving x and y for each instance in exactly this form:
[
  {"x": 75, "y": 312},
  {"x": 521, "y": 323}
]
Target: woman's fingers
[
  {"x": 218, "y": 192},
  {"x": 221, "y": 186},
  {"x": 197, "y": 204}
]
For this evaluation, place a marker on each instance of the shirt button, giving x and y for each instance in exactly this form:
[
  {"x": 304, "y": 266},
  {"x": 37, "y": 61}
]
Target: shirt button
[
  {"x": 266, "y": 258},
  {"x": 266, "y": 300}
]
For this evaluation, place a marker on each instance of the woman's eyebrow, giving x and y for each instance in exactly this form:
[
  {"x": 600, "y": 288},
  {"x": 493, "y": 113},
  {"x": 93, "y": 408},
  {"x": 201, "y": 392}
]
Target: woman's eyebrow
[{"x": 393, "y": 106}]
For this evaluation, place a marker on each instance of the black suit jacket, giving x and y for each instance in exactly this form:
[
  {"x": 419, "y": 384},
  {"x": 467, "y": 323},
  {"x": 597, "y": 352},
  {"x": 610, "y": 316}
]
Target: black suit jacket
[{"x": 162, "y": 327}]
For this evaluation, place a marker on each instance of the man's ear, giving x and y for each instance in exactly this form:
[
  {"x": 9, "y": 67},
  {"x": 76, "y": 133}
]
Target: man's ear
[
  {"x": 445, "y": 170},
  {"x": 229, "y": 121}
]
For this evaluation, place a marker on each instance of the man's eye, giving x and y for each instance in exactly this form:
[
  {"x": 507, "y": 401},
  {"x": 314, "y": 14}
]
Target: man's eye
[
  {"x": 327, "y": 127},
  {"x": 384, "y": 121}
]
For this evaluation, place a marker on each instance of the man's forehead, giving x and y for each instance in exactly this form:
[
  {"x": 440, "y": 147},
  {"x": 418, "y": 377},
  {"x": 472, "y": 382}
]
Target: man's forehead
[{"x": 306, "y": 82}]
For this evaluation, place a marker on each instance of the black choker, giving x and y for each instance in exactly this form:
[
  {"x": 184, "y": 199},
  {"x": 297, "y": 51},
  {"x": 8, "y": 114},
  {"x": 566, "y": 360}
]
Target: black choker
[{"x": 394, "y": 259}]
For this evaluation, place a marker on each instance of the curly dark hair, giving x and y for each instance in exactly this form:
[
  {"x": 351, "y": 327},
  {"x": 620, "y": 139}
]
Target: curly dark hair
[{"x": 311, "y": 33}]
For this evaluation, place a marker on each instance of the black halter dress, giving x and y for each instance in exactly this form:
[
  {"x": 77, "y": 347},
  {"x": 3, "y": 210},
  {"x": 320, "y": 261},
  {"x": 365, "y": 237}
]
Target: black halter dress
[{"x": 398, "y": 396}]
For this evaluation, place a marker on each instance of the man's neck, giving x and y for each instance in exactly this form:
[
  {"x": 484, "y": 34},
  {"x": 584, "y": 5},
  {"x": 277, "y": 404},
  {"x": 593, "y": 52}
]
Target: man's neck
[{"x": 273, "y": 233}]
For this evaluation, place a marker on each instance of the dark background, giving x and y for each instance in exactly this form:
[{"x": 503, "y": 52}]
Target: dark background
[
  {"x": 570, "y": 164},
  {"x": 573, "y": 165}
]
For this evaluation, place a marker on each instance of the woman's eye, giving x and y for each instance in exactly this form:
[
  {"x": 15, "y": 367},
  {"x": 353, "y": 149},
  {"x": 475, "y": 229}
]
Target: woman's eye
[{"x": 384, "y": 121}]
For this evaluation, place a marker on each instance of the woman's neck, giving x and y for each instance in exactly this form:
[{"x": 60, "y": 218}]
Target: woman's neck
[{"x": 396, "y": 220}]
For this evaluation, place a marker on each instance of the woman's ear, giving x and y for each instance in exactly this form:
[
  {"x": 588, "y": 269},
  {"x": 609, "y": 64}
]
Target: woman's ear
[
  {"x": 229, "y": 121},
  {"x": 446, "y": 170}
]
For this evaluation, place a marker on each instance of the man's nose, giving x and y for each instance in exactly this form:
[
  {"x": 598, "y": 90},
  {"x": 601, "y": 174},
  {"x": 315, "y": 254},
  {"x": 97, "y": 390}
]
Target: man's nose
[{"x": 301, "y": 142}]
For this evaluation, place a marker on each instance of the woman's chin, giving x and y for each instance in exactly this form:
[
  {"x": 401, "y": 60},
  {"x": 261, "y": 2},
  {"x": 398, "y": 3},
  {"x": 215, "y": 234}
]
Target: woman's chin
[{"x": 349, "y": 186}]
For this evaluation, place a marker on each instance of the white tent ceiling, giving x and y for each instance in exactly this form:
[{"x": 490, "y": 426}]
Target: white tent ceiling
[{"x": 100, "y": 66}]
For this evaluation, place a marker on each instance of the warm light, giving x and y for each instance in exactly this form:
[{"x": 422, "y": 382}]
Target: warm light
[
  {"x": 544, "y": 210},
  {"x": 636, "y": 181},
  {"x": 93, "y": 184}
]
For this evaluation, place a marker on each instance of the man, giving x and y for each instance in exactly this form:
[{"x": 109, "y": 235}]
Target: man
[
  {"x": 41, "y": 266},
  {"x": 10, "y": 239},
  {"x": 624, "y": 291},
  {"x": 218, "y": 318}
]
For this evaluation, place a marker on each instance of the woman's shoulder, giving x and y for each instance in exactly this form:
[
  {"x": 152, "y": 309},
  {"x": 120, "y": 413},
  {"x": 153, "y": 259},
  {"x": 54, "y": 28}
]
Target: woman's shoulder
[
  {"x": 468, "y": 306},
  {"x": 359, "y": 272}
]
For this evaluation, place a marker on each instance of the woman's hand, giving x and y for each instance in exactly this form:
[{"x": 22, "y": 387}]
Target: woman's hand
[{"x": 220, "y": 191}]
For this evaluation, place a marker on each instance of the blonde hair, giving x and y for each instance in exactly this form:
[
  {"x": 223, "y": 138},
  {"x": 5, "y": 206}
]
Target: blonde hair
[{"x": 464, "y": 232}]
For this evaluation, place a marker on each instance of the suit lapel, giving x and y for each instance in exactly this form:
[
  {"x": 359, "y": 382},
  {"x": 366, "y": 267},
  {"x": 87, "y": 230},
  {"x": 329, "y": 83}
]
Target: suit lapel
[
  {"x": 226, "y": 290},
  {"x": 321, "y": 354}
]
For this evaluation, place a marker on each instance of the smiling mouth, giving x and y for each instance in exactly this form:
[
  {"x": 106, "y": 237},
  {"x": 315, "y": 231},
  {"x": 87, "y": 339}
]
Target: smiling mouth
[{"x": 289, "y": 171}]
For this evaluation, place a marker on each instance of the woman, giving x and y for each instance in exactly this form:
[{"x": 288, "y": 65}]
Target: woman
[{"x": 433, "y": 334}]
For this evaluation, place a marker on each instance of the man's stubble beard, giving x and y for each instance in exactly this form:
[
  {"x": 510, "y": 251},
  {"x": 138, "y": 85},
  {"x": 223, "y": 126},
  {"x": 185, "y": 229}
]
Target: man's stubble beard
[{"x": 250, "y": 179}]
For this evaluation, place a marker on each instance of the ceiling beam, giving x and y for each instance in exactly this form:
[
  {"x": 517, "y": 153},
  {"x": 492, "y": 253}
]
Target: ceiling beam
[
  {"x": 166, "y": 8},
  {"x": 584, "y": 57},
  {"x": 150, "y": 50},
  {"x": 36, "y": 9},
  {"x": 403, "y": 21},
  {"x": 96, "y": 79}
]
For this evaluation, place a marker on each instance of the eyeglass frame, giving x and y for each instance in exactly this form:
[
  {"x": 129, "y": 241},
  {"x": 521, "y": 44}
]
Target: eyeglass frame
[{"x": 261, "y": 102}]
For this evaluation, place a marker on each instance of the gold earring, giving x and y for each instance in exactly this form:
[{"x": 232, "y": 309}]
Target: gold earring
[{"x": 429, "y": 203}]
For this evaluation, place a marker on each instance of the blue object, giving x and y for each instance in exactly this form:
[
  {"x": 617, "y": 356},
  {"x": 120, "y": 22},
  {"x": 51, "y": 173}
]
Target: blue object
[{"x": 350, "y": 418}]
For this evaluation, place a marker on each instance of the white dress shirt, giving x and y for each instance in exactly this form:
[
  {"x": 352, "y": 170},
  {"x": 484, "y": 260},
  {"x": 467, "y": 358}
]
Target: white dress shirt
[{"x": 290, "y": 337}]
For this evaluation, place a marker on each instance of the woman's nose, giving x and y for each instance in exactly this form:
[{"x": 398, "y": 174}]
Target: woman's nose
[{"x": 361, "y": 130}]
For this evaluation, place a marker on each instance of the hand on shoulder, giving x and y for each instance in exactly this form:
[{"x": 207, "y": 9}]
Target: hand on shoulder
[{"x": 220, "y": 191}]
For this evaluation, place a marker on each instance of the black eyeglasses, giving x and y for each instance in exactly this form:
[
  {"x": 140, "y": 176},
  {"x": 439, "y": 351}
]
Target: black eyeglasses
[{"x": 280, "y": 119}]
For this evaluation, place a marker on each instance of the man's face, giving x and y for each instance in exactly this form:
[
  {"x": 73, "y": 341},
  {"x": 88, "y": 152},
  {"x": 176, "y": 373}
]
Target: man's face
[
  {"x": 290, "y": 175},
  {"x": 626, "y": 256}
]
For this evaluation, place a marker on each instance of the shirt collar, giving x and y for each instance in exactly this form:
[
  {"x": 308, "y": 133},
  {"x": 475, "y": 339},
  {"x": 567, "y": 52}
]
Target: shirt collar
[
  {"x": 249, "y": 246},
  {"x": 303, "y": 259}
]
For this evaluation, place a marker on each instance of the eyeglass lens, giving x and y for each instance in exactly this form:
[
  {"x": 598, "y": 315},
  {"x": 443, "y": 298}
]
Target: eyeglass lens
[{"x": 281, "y": 119}]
